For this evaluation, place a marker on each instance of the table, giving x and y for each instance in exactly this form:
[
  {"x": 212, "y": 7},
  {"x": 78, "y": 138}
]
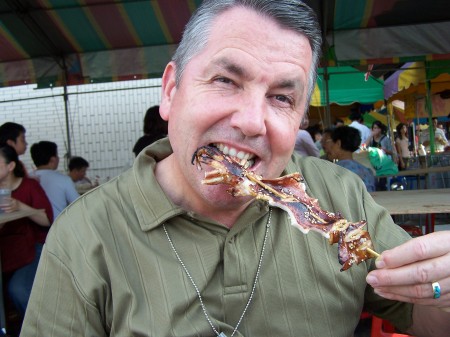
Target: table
[
  {"x": 6, "y": 217},
  {"x": 427, "y": 202},
  {"x": 419, "y": 172},
  {"x": 414, "y": 201}
]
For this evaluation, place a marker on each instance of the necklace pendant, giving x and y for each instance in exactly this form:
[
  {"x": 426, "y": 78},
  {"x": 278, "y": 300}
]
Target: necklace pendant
[{"x": 222, "y": 335}]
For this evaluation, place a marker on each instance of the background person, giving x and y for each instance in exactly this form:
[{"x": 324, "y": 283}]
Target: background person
[
  {"x": 357, "y": 122},
  {"x": 440, "y": 141},
  {"x": 345, "y": 141},
  {"x": 304, "y": 143},
  {"x": 13, "y": 134},
  {"x": 59, "y": 188},
  {"x": 78, "y": 167},
  {"x": 155, "y": 230},
  {"x": 379, "y": 139},
  {"x": 21, "y": 240},
  {"x": 325, "y": 142},
  {"x": 154, "y": 128},
  {"x": 402, "y": 145}
]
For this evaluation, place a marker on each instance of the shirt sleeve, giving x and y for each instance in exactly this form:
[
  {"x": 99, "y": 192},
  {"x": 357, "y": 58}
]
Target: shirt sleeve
[
  {"x": 308, "y": 145},
  {"x": 71, "y": 191}
]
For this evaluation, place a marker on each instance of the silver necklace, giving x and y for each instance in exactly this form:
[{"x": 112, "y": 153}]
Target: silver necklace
[{"x": 222, "y": 334}]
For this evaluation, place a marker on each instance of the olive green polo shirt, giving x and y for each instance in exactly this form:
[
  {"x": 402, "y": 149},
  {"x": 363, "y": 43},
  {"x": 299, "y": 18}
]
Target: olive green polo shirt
[{"x": 108, "y": 269}]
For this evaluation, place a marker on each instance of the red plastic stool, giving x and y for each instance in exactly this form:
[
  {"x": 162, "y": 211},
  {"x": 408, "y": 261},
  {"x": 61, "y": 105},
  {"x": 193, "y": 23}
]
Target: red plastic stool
[
  {"x": 412, "y": 230},
  {"x": 382, "y": 328}
]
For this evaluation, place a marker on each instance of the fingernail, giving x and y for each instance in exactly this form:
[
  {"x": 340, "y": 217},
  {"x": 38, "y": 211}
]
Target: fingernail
[
  {"x": 372, "y": 280},
  {"x": 379, "y": 262},
  {"x": 379, "y": 293}
]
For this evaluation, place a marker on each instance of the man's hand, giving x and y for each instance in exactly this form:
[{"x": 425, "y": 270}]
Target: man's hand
[{"x": 406, "y": 273}]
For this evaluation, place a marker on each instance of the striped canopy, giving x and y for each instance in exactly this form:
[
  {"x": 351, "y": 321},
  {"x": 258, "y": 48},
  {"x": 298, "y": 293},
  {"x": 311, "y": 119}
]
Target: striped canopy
[
  {"x": 410, "y": 79},
  {"x": 59, "y": 42},
  {"x": 88, "y": 40}
]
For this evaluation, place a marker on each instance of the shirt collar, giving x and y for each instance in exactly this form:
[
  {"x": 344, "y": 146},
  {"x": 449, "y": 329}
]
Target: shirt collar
[{"x": 152, "y": 206}]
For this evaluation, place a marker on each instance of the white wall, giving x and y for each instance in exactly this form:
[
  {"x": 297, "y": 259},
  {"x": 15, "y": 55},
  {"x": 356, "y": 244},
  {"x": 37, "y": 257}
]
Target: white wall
[{"x": 104, "y": 125}]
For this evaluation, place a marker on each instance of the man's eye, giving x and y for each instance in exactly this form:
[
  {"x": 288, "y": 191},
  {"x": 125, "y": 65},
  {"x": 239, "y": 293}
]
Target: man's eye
[
  {"x": 223, "y": 80},
  {"x": 284, "y": 99}
]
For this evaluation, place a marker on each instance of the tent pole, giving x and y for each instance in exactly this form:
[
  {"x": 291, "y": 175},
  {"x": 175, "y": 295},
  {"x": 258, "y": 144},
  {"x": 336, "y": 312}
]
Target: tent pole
[
  {"x": 66, "y": 111},
  {"x": 429, "y": 109},
  {"x": 327, "y": 116},
  {"x": 325, "y": 10}
]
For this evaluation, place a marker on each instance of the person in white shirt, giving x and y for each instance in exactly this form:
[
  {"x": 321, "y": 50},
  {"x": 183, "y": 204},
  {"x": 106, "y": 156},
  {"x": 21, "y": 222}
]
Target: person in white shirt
[
  {"x": 358, "y": 123},
  {"x": 440, "y": 141},
  {"x": 59, "y": 187}
]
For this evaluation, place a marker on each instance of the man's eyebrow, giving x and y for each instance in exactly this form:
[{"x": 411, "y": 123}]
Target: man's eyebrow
[
  {"x": 294, "y": 84},
  {"x": 234, "y": 68},
  {"x": 231, "y": 67}
]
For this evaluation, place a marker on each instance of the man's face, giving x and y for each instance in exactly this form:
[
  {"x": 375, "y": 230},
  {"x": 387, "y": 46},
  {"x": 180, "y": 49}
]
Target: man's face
[
  {"x": 245, "y": 93},
  {"x": 79, "y": 174}
]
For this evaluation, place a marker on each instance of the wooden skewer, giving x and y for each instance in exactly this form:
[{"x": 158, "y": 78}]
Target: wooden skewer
[{"x": 374, "y": 253}]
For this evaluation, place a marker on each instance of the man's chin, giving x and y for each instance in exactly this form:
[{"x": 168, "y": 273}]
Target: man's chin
[{"x": 219, "y": 197}]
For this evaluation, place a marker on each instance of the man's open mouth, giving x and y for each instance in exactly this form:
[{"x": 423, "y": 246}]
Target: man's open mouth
[{"x": 245, "y": 159}]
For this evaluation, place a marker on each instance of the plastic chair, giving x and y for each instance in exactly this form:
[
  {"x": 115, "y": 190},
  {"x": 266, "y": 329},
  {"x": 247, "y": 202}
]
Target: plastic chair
[
  {"x": 382, "y": 328},
  {"x": 412, "y": 230}
]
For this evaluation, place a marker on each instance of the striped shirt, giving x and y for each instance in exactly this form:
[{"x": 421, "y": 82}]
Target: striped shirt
[{"x": 107, "y": 268}]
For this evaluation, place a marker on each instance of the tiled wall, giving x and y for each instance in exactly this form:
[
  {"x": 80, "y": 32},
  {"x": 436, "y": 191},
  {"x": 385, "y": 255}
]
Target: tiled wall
[{"x": 105, "y": 120}]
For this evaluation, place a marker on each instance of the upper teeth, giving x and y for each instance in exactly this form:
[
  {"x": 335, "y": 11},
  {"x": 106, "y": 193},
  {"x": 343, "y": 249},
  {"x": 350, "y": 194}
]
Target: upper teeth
[{"x": 244, "y": 158}]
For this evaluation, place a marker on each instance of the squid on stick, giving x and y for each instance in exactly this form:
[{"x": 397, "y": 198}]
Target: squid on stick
[{"x": 288, "y": 193}]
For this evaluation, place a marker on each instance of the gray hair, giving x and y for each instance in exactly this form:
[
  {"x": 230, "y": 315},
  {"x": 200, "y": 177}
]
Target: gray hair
[{"x": 291, "y": 14}]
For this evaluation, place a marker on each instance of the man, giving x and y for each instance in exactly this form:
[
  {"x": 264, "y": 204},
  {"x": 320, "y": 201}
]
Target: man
[
  {"x": 58, "y": 187},
  {"x": 155, "y": 252},
  {"x": 358, "y": 123},
  {"x": 77, "y": 172},
  {"x": 440, "y": 141}
]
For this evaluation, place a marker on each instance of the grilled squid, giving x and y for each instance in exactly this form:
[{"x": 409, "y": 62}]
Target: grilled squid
[{"x": 288, "y": 193}]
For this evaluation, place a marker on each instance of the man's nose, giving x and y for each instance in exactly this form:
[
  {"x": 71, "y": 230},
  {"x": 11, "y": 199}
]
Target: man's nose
[{"x": 251, "y": 116}]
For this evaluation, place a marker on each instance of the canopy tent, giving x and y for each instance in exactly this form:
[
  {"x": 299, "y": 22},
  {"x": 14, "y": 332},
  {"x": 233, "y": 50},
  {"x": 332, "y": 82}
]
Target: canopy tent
[
  {"x": 73, "y": 42},
  {"x": 410, "y": 79},
  {"x": 345, "y": 86},
  {"x": 409, "y": 85},
  {"x": 64, "y": 42},
  {"x": 389, "y": 31},
  {"x": 67, "y": 42},
  {"x": 423, "y": 87}
]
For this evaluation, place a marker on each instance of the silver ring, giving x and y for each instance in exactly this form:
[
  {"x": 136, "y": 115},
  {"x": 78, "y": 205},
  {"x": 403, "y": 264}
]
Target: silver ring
[{"x": 436, "y": 289}]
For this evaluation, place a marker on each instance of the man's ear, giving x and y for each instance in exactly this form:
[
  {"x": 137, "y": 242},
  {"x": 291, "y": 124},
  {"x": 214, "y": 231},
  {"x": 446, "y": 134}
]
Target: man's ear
[{"x": 168, "y": 90}]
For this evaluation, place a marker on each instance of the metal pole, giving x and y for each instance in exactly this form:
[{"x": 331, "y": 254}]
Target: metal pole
[
  {"x": 327, "y": 117},
  {"x": 67, "y": 115},
  {"x": 429, "y": 108},
  {"x": 66, "y": 110}
]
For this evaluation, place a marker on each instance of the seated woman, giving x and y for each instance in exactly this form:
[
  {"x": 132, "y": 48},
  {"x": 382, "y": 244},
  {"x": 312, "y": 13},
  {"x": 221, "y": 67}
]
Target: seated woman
[
  {"x": 379, "y": 139},
  {"x": 344, "y": 141},
  {"x": 21, "y": 240}
]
